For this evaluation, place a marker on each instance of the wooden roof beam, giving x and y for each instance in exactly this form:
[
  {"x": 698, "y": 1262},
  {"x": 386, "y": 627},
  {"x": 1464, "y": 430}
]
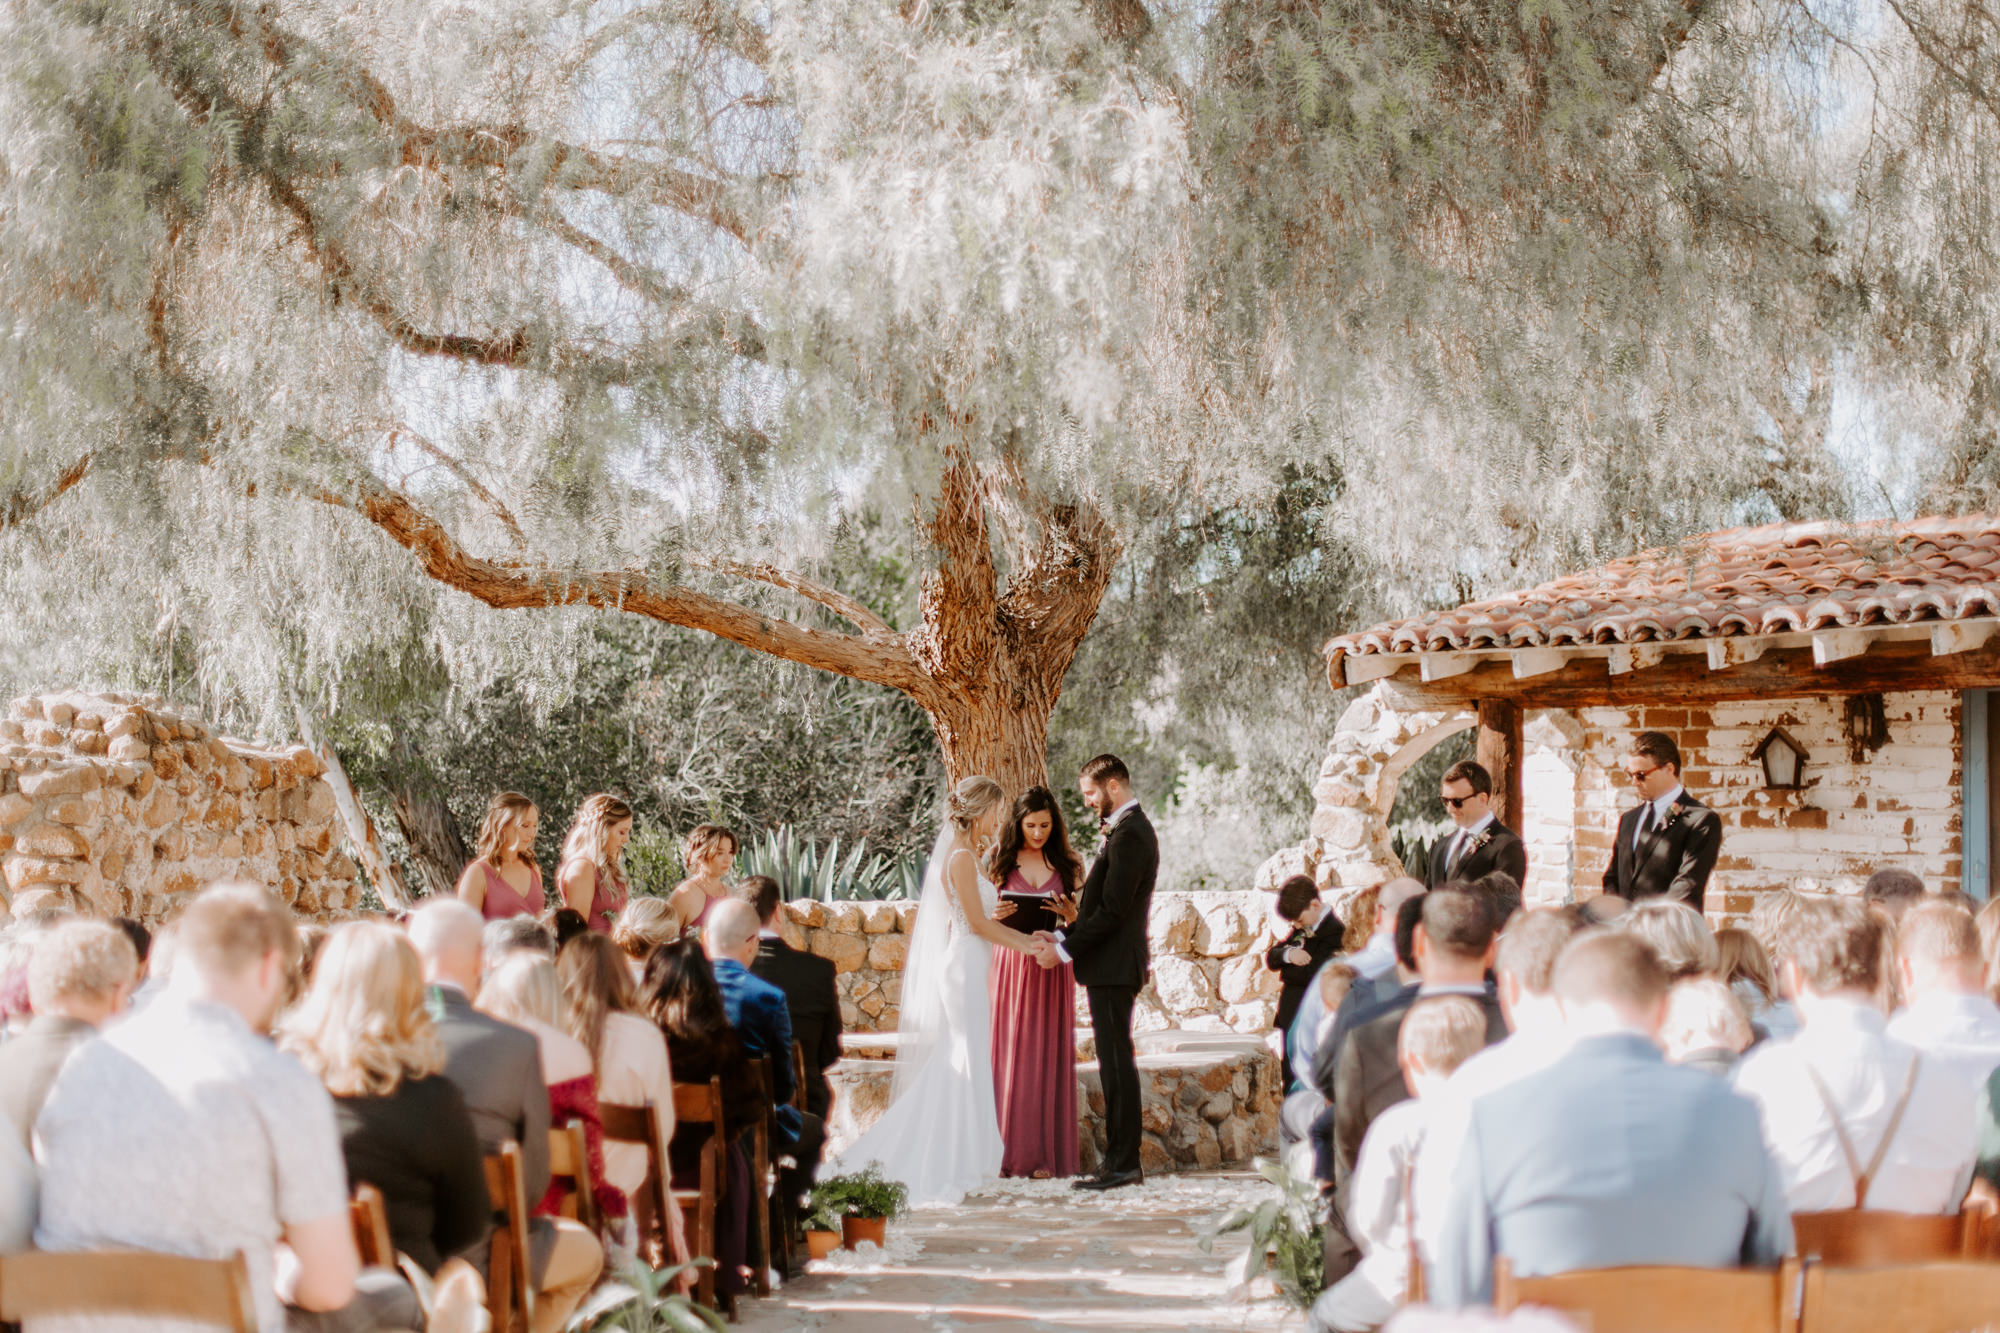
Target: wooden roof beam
[
  {"x": 1837, "y": 645},
  {"x": 1961, "y": 636},
  {"x": 1726, "y": 653},
  {"x": 1361, "y": 669},
  {"x": 1538, "y": 661},
  {"x": 1628, "y": 657},
  {"x": 1443, "y": 666}
]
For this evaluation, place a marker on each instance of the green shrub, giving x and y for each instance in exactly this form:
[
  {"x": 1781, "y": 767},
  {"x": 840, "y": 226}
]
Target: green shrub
[
  {"x": 807, "y": 868},
  {"x": 863, "y": 1194},
  {"x": 1287, "y": 1235}
]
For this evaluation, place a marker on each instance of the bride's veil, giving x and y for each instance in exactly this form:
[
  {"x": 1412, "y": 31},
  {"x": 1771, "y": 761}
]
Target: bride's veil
[{"x": 920, "y": 1026}]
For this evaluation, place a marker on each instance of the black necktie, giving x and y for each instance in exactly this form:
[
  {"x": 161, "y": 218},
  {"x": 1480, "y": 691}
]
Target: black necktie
[
  {"x": 1456, "y": 854},
  {"x": 1650, "y": 818}
]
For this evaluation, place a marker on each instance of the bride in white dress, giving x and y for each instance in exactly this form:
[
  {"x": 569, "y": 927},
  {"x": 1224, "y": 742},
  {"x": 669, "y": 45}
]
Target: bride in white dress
[{"x": 940, "y": 1135}]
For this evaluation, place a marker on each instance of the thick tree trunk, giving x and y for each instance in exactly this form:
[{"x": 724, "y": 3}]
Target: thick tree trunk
[{"x": 998, "y": 735}]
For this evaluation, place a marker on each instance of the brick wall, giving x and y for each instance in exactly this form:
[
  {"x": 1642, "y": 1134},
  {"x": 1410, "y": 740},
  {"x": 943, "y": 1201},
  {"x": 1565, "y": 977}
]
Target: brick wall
[{"x": 1898, "y": 805}]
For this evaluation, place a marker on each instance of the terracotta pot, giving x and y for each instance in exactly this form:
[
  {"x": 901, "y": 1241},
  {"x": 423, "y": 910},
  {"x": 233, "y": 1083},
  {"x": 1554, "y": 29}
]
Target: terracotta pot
[
  {"x": 820, "y": 1244},
  {"x": 854, "y": 1230}
]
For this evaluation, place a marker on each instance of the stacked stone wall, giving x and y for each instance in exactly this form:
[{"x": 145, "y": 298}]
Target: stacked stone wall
[
  {"x": 1208, "y": 969},
  {"x": 122, "y": 805}
]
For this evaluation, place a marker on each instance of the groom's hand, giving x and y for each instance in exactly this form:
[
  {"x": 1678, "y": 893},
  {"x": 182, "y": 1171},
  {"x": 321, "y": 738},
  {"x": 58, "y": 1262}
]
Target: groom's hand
[{"x": 1045, "y": 952}]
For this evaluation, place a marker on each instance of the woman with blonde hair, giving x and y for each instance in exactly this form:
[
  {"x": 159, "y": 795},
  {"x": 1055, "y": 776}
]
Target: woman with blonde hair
[
  {"x": 524, "y": 992},
  {"x": 710, "y": 851},
  {"x": 502, "y": 879},
  {"x": 592, "y": 881},
  {"x": 644, "y": 925},
  {"x": 1680, "y": 936},
  {"x": 364, "y": 1030}
]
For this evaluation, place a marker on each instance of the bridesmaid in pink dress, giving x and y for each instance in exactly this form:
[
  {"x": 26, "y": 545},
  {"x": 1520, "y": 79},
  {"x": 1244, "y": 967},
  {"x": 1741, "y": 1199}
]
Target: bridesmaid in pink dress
[
  {"x": 591, "y": 880},
  {"x": 502, "y": 879},
  {"x": 1034, "y": 1008},
  {"x": 710, "y": 852}
]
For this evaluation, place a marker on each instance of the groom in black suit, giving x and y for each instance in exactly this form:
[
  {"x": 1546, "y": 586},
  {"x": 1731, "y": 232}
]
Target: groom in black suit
[
  {"x": 1107, "y": 945},
  {"x": 1667, "y": 844}
]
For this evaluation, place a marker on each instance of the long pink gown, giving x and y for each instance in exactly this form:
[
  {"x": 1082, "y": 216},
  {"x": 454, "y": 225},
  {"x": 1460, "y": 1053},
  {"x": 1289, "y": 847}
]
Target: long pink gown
[{"x": 1034, "y": 1056}]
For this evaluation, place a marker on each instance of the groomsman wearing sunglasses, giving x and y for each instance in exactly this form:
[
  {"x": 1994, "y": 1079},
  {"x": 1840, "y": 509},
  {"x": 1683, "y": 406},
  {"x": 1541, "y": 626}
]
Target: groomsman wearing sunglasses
[
  {"x": 1479, "y": 843},
  {"x": 1667, "y": 844}
]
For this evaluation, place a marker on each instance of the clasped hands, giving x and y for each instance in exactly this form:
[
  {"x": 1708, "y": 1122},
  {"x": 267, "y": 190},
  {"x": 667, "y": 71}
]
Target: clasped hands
[{"x": 1044, "y": 949}]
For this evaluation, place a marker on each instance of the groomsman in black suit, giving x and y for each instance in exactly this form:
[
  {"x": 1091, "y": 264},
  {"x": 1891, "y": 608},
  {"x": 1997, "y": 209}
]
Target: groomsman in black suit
[
  {"x": 1668, "y": 843},
  {"x": 1480, "y": 843},
  {"x": 1107, "y": 945},
  {"x": 808, "y": 983}
]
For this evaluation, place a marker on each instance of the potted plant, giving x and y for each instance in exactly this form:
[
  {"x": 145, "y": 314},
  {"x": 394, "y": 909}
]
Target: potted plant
[
  {"x": 822, "y": 1224},
  {"x": 864, "y": 1201}
]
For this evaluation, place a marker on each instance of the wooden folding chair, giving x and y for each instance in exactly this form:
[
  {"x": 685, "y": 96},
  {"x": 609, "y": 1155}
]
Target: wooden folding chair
[
  {"x": 641, "y": 1125},
  {"x": 135, "y": 1283},
  {"x": 510, "y": 1286},
  {"x": 1659, "y": 1300},
  {"x": 700, "y": 1105},
  {"x": 370, "y": 1216},
  {"x": 798, "y": 1078},
  {"x": 1868, "y": 1238},
  {"x": 761, "y": 1133},
  {"x": 569, "y": 1159},
  {"x": 1948, "y": 1297}
]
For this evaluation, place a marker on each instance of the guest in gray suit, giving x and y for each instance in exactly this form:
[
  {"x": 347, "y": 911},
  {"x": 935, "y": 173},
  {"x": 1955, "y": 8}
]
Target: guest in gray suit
[
  {"x": 498, "y": 1068},
  {"x": 1611, "y": 1156}
]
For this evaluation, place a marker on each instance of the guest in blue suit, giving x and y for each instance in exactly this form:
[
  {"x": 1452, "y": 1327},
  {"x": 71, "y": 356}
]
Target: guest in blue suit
[
  {"x": 763, "y": 1022},
  {"x": 1611, "y": 1156}
]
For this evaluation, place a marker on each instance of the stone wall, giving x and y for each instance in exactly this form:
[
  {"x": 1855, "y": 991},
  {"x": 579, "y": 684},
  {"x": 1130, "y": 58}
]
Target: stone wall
[
  {"x": 1208, "y": 972},
  {"x": 118, "y": 804},
  {"x": 1862, "y": 806}
]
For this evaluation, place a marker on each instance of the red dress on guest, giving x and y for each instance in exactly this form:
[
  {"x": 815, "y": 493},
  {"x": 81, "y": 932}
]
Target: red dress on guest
[
  {"x": 576, "y": 1099},
  {"x": 1034, "y": 1055}
]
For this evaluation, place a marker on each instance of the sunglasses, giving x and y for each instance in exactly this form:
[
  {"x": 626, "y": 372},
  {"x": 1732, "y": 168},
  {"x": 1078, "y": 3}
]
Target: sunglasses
[
  {"x": 1456, "y": 802},
  {"x": 1641, "y": 774}
]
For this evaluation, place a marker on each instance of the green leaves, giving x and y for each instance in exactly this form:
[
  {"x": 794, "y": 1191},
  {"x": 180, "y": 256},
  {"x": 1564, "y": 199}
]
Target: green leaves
[{"x": 1287, "y": 1237}]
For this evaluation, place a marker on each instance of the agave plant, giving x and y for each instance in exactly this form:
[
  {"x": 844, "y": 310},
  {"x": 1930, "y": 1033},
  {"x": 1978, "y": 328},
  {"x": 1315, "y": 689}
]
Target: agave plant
[
  {"x": 642, "y": 1300},
  {"x": 806, "y": 868},
  {"x": 1287, "y": 1234}
]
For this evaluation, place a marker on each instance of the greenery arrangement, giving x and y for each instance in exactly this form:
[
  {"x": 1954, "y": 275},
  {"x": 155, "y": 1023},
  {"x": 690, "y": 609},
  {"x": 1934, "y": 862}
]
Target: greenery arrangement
[
  {"x": 1287, "y": 1236},
  {"x": 643, "y": 1301},
  {"x": 807, "y": 868},
  {"x": 862, "y": 1194}
]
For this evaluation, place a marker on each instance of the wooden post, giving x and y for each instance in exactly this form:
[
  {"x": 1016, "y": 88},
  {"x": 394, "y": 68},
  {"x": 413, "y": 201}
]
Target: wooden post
[{"x": 1499, "y": 753}]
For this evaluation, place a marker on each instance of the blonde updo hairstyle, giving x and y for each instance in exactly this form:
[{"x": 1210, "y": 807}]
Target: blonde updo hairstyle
[
  {"x": 970, "y": 801},
  {"x": 643, "y": 926}
]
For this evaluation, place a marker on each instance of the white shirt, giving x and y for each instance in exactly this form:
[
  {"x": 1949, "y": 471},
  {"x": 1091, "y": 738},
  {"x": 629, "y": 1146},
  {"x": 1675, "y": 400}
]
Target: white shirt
[
  {"x": 1375, "y": 958},
  {"x": 1928, "y": 1164},
  {"x": 1660, "y": 808},
  {"x": 1377, "y": 1215},
  {"x": 1504, "y": 1062},
  {"x": 1957, "y": 1030},
  {"x": 770, "y": 933}
]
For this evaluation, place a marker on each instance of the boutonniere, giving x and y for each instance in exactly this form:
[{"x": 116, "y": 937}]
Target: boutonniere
[
  {"x": 1479, "y": 839},
  {"x": 1667, "y": 821}
]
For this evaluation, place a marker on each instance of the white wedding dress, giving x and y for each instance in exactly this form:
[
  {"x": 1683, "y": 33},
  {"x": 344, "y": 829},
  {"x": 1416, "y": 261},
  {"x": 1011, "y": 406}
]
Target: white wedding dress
[{"x": 940, "y": 1135}]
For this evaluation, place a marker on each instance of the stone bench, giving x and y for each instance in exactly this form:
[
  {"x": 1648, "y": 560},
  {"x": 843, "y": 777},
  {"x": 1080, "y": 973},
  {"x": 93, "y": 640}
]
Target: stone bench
[{"x": 1206, "y": 1099}]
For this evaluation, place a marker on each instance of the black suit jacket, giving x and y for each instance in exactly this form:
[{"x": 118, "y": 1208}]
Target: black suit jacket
[
  {"x": 1672, "y": 862},
  {"x": 1107, "y": 943},
  {"x": 1368, "y": 1081},
  {"x": 1503, "y": 850},
  {"x": 808, "y": 983},
  {"x": 1320, "y": 943}
]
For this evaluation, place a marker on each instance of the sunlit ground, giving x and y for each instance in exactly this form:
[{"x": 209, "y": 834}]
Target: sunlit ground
[{"x": 1036, "y": 1255}]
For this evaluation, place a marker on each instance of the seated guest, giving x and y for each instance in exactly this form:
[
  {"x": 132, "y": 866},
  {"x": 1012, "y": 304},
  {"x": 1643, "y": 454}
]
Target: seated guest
[
  {"x": 565, "y": 924},
  {"x": 498, "y": 1070},
  {"x": 643, "y": 926},
  {"x": 1439, "y": 1035},
  {"x": 1317, "y": 1020},
  {"x": 1830, "y": 1096},
  {"x": 1743, "y": 966},
  {"x": 1680, "y": 937},
  {"x": 807, "y": 981},
  {"x": 1502, "y": 893},
  {"x": 364, "y": 1030},
  {"x": 599, "y": 1010},
  {"x": 184, "y": 1130},
  {"x": 1705, "y": 1027},
  {"x": 1894, "y": 890},
  {"x": 1453, "y": 944},
  {"x": 1946, "y": 1012},
  {"x": 1361, "y": 998},
  {"x": 1610, "y": 1156},
  {"x": 757, "y": 1011},
  {"x": 679, "y": 993},
  {"x": 511, "y": 935},
  {"x": 1311, "y": 936},
  {"x": 525, "y": 992},
  {"x": 1524, "y": 967},
  {"x": 80, "y": 976}
]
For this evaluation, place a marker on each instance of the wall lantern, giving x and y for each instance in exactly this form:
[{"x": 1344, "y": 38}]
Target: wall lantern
[{"x": 1784, "y": 761}]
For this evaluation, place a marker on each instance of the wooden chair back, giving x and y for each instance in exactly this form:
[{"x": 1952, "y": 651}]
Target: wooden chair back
[
  {"x": 138, "y": 1284},
  {"x": 370, "y": 1215},
  {"x": 1659, "y": 1300},
  {"x": 798, "y": 1077},
  {"x": 699, "y": 1106},
  {"x": 569, "y": 1159},
  {"x": 510, "y": 1287},
  {"x": 761, "y": 1134},
  {"x": 1869, "y": 1238},
  {"x": 1953, "y": 1296},
  {"x": 641, "y": 1125}
]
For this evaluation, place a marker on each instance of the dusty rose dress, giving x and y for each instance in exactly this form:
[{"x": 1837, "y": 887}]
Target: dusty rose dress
[
  {"x": 502, "y": 902},
  {"x": 1034, "y": 1056}
]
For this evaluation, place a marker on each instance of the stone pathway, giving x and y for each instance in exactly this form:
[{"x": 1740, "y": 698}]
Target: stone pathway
[{"x": 1035, "y": 1255}]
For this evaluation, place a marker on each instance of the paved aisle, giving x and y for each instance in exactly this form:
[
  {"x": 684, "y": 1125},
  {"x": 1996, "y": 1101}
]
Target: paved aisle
[{"x": 1037, "y": 1255}]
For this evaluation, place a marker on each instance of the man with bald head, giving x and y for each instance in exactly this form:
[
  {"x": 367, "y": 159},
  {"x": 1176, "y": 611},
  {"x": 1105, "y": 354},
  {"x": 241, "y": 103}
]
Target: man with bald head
[
  {"x": 763, "y": 1021},
  {"x": 1610, "y": 1156}
]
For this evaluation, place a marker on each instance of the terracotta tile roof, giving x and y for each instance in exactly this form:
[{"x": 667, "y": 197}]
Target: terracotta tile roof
[{"x": 1775, "y": 579}]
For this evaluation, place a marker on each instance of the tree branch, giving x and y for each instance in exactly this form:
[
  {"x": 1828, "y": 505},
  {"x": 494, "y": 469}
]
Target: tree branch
[
  {"x": 24, "y": 504},
  {"x": 837, "y": 602},
  {"x": 464, "y": 474},
  {"x": 959, "y": 635}
]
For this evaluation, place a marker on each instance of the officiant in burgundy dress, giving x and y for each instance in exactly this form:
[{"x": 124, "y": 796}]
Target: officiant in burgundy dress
[{"x": 1034, "y": 1008}]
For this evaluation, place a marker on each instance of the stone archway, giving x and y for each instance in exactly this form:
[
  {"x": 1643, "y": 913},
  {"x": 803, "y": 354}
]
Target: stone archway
[{"x": 1380, "y": 735}]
